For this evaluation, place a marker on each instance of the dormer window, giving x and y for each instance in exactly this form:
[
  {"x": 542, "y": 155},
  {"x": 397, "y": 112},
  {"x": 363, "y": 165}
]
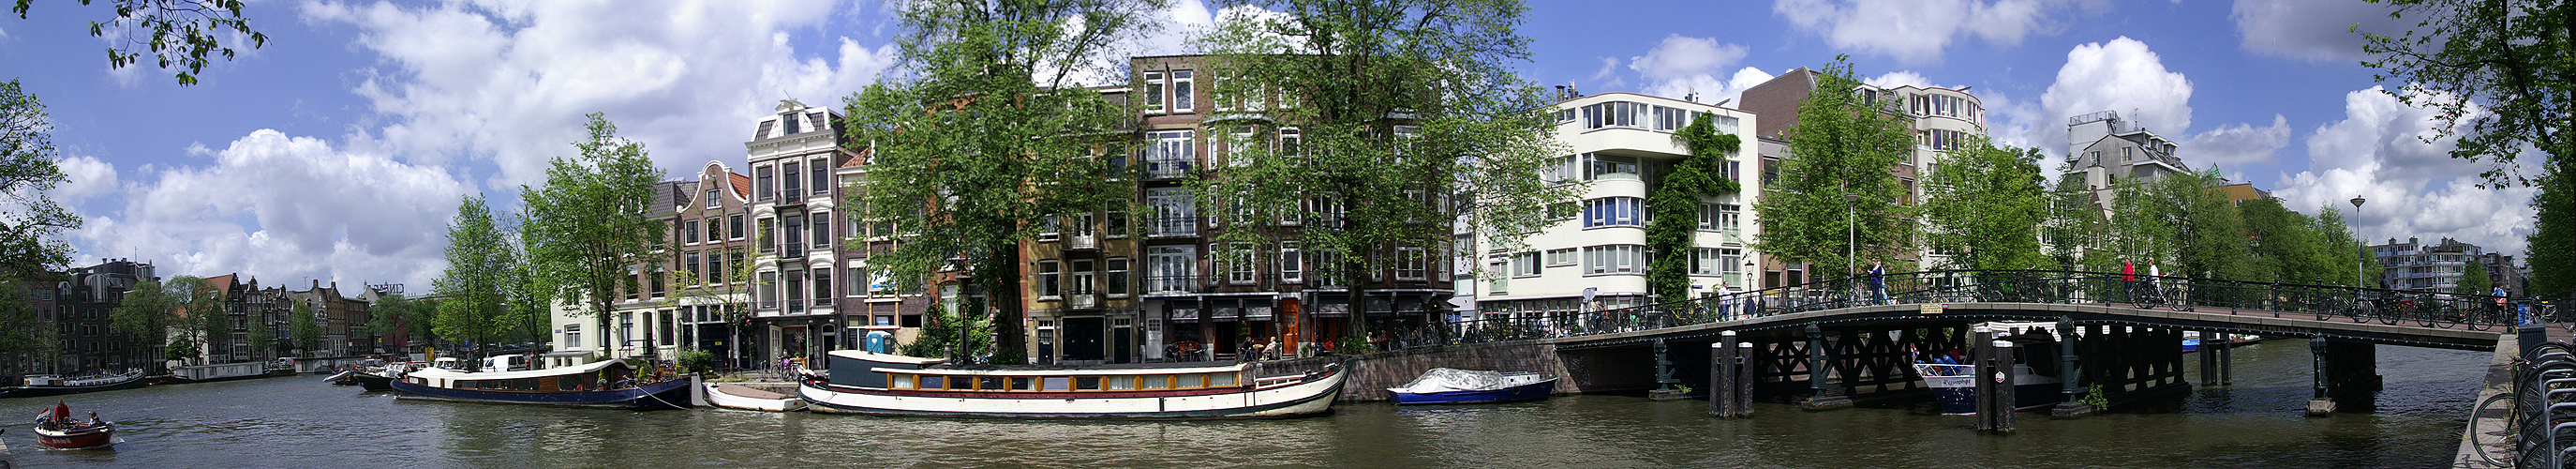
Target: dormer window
[{"x": 790, "y": 119}]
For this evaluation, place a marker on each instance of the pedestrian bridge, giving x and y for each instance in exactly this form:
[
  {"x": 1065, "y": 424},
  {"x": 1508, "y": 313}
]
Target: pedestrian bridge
[{"x": 2119, "y": 336}]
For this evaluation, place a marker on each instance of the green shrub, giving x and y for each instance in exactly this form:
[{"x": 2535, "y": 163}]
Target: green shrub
[{"x": 697, "y": 361}]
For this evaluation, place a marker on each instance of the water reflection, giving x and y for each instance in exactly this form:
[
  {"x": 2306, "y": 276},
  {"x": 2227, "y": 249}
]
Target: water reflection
[{"x": 299, "y": 422}]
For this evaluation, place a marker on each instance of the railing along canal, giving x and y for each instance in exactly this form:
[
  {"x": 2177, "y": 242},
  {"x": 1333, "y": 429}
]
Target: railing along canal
[{"x": 2320, "y": 302}]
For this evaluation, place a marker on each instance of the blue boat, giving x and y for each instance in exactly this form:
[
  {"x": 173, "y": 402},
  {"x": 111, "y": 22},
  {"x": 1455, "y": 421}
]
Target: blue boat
[
  {"x": 610, "y": 384},
  {"x": 1454, "y": 386}
]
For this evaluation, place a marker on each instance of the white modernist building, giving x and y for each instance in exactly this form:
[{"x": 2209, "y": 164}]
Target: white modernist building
[{"x": 1622, "y": 145}]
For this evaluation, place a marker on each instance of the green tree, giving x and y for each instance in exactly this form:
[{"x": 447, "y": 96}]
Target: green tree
[
  {"x": 1677, "y": 200},
  {"x": 202, "y": 307},
  {"x": 2073, "y": 231},
  {"x": 31, "y": 224},
  {"x": 1985, "y": 207},
  {"x": 2475, "y": 280},
  {"x": 306, "y": 331},
  {"x": 730, "y": 295},
  {"x": 477, "y": 279},
  {"x": 1409, "y": 114},
  {"x": 2551, "y": 250},
  {"x": 396, "y": 314},
  {"x": 1834, "y": 184},
  {"x": 2337, "y": 254},
  {"x": 978, "y": 133},
  {"x": 589, "y": 226},
  {"x": 529, "y": 310},
  {"x": 184, "y": 32},
  {"x": 2501, "y": 68},
  {"x": 27, "y": 341},
  {"x": 2214, "y": 242},
  {"x": 262, "y": 336},
  {"x": 949, "y": 333},
  {"x": 147, "y": 313},
  {"x": 2281, "y": 239}
]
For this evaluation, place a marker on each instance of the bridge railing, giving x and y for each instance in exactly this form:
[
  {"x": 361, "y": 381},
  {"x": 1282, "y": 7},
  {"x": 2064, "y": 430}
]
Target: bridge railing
[{"x": 2312, "y": 301}]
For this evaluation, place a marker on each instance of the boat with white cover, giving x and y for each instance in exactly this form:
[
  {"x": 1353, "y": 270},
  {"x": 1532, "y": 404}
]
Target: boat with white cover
[
  {"x": 1455, "y": 386},
  {"x": 882, "y": 384}
]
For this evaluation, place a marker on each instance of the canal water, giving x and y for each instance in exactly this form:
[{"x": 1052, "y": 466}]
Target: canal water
[{"x": 2259, "y": 422}]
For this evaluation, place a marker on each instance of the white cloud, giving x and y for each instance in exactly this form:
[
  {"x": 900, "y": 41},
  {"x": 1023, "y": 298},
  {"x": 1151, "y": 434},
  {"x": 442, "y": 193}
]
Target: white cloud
[
  {"x": 2237, "y": 146},
  {"x": 2020, "y": 123},
  {"x": 2318, "y": 30},
  {"x": 2123, "y": 76},
  {"x": 1682, "y": 65},
  {"x": 1916, "y": 31},
  {"x": 508, "y": 82},
  {"x": 281, "y": 208},
  {"x": 84, "y": 177},
  {"x": 2413, "y": 188}
]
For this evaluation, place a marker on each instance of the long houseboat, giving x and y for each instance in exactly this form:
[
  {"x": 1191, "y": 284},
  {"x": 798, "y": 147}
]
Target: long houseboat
[
  {"x": 603, "y": 384},
  {"x": 881, "y": 384}
]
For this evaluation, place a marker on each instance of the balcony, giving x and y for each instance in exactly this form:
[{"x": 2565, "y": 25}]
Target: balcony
[
  {"x": 1082, "y": 300},
  {"x": 1082, "y": 242},
  {"x": 1171, "y": 227},
  {"x": 1167, "y": 169}
]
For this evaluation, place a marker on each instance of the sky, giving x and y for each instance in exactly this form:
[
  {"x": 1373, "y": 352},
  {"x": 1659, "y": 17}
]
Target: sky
[{"x": 340, "y": 150}]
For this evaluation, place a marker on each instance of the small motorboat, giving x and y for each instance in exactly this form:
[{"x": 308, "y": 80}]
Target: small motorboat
[
  {"x": 1455, "y": 386},
  {"x": 379, "y": 378},
  {"x": 2036, "y": 378},
  {"x": 735, "y": 396},
  {"x": 56, "y": 429}
]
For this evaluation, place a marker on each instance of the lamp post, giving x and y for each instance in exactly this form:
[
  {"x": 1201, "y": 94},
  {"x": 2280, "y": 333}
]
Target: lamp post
[
  {"x": 2363, "y": 241},
  {"x": 1851, "y": 232}
]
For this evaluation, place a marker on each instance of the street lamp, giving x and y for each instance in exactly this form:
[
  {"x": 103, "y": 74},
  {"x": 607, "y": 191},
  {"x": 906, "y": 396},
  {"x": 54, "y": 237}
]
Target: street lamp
[{"x": 2363, "y": 241}]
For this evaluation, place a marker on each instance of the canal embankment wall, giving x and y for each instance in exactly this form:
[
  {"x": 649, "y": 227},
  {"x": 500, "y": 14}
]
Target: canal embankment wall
[{"x": 2499, "y": 381}]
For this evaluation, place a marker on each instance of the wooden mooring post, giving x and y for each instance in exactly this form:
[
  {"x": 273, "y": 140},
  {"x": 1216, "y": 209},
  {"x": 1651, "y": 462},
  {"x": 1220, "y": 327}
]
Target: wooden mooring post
[
  {"x": 1995, "y": 404},
  {"x": 1730, "y": 377}
]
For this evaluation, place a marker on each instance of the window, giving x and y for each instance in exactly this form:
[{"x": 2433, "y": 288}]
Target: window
[
  {"x": 1614, "y": 259},
  {"x": 1117, "y": 277},
  {"x": 1560, "y": 257},
  {"x": 762, "y": 182},
  {"x": 1170, "y": 269},
  {"x": 1411, "y": 263},
  {"x": 881, "y": 283},
  {"x": 1085, "y": 278},
  {"x": 1291, "y": 141},
  {"x": 689, "y": 232},
  {"x": 1292, "y": 268},
  {"x": 766, "y": 228},
  {"x": 1228, "y": 98},
  {"x": 1153, "y": 91},
  {"x": 1175, "y": 212},
  {"x": 1668, "y": 119},
  {"x": 572, "y": 334},
  {"x": 794, "y": 227},
  {"x": 1559, "y": 170},
  {"x": 793, "y": 187},
  {"x": 1525, "y": 264},
  {"x": 795, "y": 291},
  {"x": 821, "y": 171},
  {"x": 1049, "y": 285},
  {"x": 712, "y": 200},
  {"x": 1616, "y": 114},
  {"x": 1117, "y": 224},
  {"x": 1609, "y": 167},
  {"x": 1182, "y": 98},
  {"x": 1245, "y": 270},
  {"x": 1499, "y": 284},
  {"x": 822, "y": 230},
  {"x": 1614, "y": 211},
  {"x": 1049, "y": 229},
  {"x": 858, "y": 278},
  {"x": 734, "y": 227},
  {"x": 1169, "y": 154},
  {"x": 1235, "y": 143},
  {"x": 822, "y": 286},
  {"x": 692, "y": 267}
]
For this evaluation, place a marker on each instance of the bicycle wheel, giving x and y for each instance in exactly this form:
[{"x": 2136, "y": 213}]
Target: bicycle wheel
[
  {"x": 2494, "y": 445},
  {"x": 2483, "y": 319},
  {"x": 2426, "y": 315},
  {"x": 2390, "y": 314},
  {"x": 2175, "y": 296},
  {"x": 2142, "y": 297}
]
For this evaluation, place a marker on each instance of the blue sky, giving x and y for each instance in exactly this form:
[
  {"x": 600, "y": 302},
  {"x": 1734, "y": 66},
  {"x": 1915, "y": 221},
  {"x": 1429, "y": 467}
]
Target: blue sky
[{"x": 339, "y": 151}]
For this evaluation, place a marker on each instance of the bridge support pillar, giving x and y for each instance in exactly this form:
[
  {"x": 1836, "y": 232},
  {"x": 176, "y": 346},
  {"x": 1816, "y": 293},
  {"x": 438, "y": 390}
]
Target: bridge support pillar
[
  {"x": 1664, "y": 376},
  {"x": 1820, "y": 374},
  {"x": 2347, "y": 372},
  {"x": 2067, "y": 362}
]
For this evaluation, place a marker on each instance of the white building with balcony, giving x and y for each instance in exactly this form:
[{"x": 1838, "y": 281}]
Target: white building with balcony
[{"x": 1622, "y": 145}]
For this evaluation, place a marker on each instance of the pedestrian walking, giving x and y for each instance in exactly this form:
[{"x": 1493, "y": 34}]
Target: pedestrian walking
[
  {"x": 1724, "y": 292},
  {"x": 1877, "y": 283}
]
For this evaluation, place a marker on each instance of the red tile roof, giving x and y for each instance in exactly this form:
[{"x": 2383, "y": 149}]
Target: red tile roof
[
  {"x": 861, "y": 159},
  {"x": 741, "y": 185}
]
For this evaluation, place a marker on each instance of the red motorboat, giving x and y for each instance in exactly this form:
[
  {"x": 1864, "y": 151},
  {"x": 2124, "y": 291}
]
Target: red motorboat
[{"x": 56, "y": 429}]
